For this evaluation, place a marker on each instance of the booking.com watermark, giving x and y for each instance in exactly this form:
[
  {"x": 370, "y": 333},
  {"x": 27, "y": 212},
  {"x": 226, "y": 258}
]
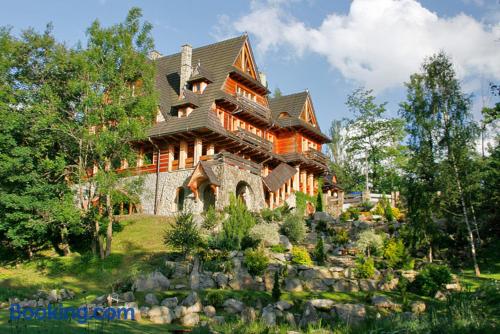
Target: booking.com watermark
[{"x": 81, "y": 314}]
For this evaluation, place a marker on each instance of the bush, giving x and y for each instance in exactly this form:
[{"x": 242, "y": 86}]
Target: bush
[
  {"x": 279, "y": 248},
  {"x": 398, "y": 215},
  {"x": 216, "y": 260},
  {"x": 256, "y": 261},
  {"x": 319, "y": 252},
  {"x": 294, "y": 228},
  {"x": 211, "y": 218},
  {"x": 300, "y": 255},
  {"x": 268, "y": 233},
  {"x": 431, "y": 279},
  {"x": 379, "y": 209},
  {"x": 366, "y": 206},
  {"x": 388, "y": 212},
  {"x": 276, "y": 293},
  {"x": 370, "y": 243},
  {"x": 236, "y": 226},
  {"x": 365, "y": 267},
  {"x": 184, "y": 234},
  {"x": 345, "y": 216},
  {"x": 396, "y": 255},
  {"x": 215, "y": 298},
  {"x": 301, "y": 200},
  {"x": 319, "y": 202},
  {"x": 341, "y": 237}
]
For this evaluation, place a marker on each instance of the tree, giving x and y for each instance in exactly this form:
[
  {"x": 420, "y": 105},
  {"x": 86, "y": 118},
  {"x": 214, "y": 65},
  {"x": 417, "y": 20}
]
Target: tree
[
  {"x": 374, "y": 141},
  {"x": 183, "y": 234},
  {"x": 442, "y": 135},
  {"x": 276, "y": 293},
  {"x": 277, "y": 93}
]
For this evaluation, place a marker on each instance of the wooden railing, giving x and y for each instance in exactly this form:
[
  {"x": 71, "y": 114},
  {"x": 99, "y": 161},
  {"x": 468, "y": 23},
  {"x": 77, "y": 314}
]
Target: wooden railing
[
  {"x": 254, "y": 139},
  {"x": 253, "y": 106},
  {"x": 316, "y": 155},
  {"x": 237, "y": 161}
]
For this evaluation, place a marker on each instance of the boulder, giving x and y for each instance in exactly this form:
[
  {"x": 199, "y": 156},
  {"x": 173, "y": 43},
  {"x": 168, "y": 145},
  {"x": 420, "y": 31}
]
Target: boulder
[
  {"x": 350, "y": 313},
  {"x": 151, "y": 299},
  {"x": 269, "y": 315},
  {"x": 144, "y": 311},
  {"x": 192, "y": 303},
  {"x": 418, "y": 307},
  {"x": 293, "y": 285},
  {"x": 233, "y": 306},
  {"x": 180, "y": 311},
  {"x": 248, "y": 315},
  {"x": 161, "y": 315},
  {"x": 344, "y": 285},
  {"x": 128, "y": 296},
  {"x": 154, "y": 311},
  {"x": 289, "y": 318},
  {"x": 209, "y": 311},
  {"x": 170, "y": 302},
  {"x": 221, "y": 279},
  {"x": 389, "y": 285},
  {"x": 285, "y": 242},
  {"x": 190, "y": 320},
  {"x": 194, "y": 277},
  {"x": 453, "y": 287},
  {"x": 440, "y": 296},
  {"x": 309, "y": 315},
  {"x": 409, "y": 275},
  {"x": 206, "y": 282},
  {"x": 322, "y": 304},
  {"x": 323, "y": 216},
  {"x": 283, "y": 305},
  {"x": 53, "y": 296},
  {"x": 382, "y": 302},
  {"x": 316, "y": 285},
  {"x": 367, "y": 285},
  {"x": 218, "y": 319},
  {"x": 153, "y": 282}
]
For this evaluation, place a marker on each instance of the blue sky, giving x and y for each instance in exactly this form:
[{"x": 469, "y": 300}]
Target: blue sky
[{"x": 328, "y": 47}]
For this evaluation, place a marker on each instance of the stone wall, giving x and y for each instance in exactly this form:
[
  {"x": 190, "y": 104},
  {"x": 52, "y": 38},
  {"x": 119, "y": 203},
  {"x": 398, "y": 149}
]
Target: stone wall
[{"x": 229, "y": 176}]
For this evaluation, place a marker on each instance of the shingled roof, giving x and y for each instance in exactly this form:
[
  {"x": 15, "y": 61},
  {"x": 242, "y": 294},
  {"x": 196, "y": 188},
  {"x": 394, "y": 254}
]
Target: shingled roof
[
  {"x": 215, "y": 58},
  {"x": 279, "y": 176}
]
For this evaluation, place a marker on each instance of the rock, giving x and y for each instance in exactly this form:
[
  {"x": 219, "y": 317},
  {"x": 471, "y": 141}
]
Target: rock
[
  {"x": 389, "y": 285},
  {"x": 170, "y": 302},
  {"x": 453, "y": 287},
  {"x": 418, "y": 307},
  {"x": 285, "y": 242},
  {"x": 278, "y": 257},
  {"x": 209, "y": 311},
  {"x": 153, "y": 282},
  {"x": 269, "y": 315},
  {"x": 293, "y": 285},
  {"x": 315, "y": 273},
  {"x": 151, "y": 299},
  {"x": 367, "y": 285},
  {"x": 233, "y": 306},
  {"x": 323, "y": 216},
  {"x": 440, "y": 296},
  {"x": 218, "y": 319},
  {"x": 316, "y": 285},
  {"x": 128, "y": 296},
  {"x": 144, "y": 311},
  {"x": 206, "y": 282},
  {"x": 350, "y": 313},
  {"x": 309, "y": 316},
  {"x": 53, "y": 296},
  {"x": 409, "y": 275},
  {"x": 344, "y": 285},
  {"x": 382, "y": 302},
  {"x": 289, "y": 318},
  {"x": 192, "y": 303},
  {"x": 283, "y": 305},
  {"x": 165, "y": 315},
  {"x": 248, "y": 315},
  {"x": 190, "y": 320},
  {"x": 322, "y": 304},
  {"x": 155, "y": 311},
  {"x": 194, "y": 278},
  {"x": 180, "y": 311},
  {"x": 99, "y": 300},
  {"x": 222, "y": 280}
]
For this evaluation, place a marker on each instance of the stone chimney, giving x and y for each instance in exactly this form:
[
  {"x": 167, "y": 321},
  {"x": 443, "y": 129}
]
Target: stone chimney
[
  {"x": 186, "y": 68},
  {"x": 263, "y": 78}
]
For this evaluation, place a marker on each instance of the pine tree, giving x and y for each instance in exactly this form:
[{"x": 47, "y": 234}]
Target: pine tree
[{"x": 276, "y": 293}]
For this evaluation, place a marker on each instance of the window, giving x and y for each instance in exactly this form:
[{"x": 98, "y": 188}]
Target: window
[{"x": 180, "y": 199}]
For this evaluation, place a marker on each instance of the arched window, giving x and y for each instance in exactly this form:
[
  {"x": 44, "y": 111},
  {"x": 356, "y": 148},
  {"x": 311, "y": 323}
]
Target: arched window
[{"x": 180, "y": 199}]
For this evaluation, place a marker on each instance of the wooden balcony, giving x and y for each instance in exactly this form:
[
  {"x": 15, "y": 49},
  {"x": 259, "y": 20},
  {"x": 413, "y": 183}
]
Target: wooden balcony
[
  {"x": 239, "y": 162},
  {"x": 249, "y": 105},
  {"x": 316, "y": 155},
  {"x": 254, "y": 139}
]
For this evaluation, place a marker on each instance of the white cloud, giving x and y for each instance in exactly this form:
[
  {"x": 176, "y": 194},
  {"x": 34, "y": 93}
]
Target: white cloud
[{"x": 379, "y": 43}]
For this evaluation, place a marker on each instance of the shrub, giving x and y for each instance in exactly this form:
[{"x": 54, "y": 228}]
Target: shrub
[
  {"x": 396, "y": 255},
  {"x": 215, "y": 298},
  {"x": 379, "y": 209},
  {"x": 276, "y": 293},
  {"x": 398, "y": 215},
  {"x": 279, "y": 248},
  {"x": 366, "y": 206},
  {"x": 345, "y": 216},
  {"x": 300, "y": 255},
  {"x": 294, "y": 228},
  {"x": 341, "y": 237},
  {"x": 388, "y": 212},
  {"x": 370, "y": 243},
  {"x": 211, "y": 218},
  {"x": 431, "y": 279},
  {"x": 268, "y": 233},
  {"x": 236, "y": 226},
  {"x": 256, "y": 261},
  {"x": 353, "y": 212},
  {"x": 319, "y": 202},
  {"x": 216, "y": 260},
  {"x": 269, "y": 215},
  {"x": 184, "y": 234},
  {"x": 365, "y": 267},
  {"x": 301, "y": 200},
  {"x": 319, "y": 252}
]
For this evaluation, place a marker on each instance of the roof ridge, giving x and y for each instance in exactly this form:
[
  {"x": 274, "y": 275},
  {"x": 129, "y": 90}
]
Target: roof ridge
[
  {"x": 208, "y": 45},
  {"x": 289, "y": 95}
]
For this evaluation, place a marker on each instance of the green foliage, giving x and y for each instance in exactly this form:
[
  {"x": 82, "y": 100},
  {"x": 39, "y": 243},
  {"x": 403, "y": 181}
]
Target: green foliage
[
  {"x": 276, "y": 293},
  {"x": 215, "y": 298},
  {"x": 300, "y": 255},
  {"x": 319, "y": 196},
  {"x": 184, "y": 234},
  {"x": 370, "y": 242},
  {"x": 341, "y": 237},
  {"x": 365, "y": 267},
  {"x": 294, "y": 228},
  {"x": 388, "y": 212},
  {"x": 301, "y": 200},
  {"x": 353, "y": 212},
  {"x": 256, "y": 261},
  {"x": 431, "y": 279},
  {"x": 236, "y": 226},
  {"x": 211, "y": 218},
  {"x": 396, "y": 255},
  {"x": 365, "y": 206},
  {"x": 319, "y": 252},
  {"x": 279, "y": 248}
]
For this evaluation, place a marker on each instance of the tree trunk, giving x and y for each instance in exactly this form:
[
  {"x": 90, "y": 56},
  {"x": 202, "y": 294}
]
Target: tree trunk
[
  {"x": 476, "y": 226},
  {"x": 109, "y": 230},
  {"x": 64, "y": 241},
  {"x": 98, "y": 239},
  {"x": 430, "y": 253}
]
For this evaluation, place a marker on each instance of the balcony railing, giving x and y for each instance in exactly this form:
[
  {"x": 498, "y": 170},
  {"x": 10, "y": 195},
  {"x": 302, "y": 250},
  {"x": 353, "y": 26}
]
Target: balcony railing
[
  {"x": 254, "y": 139},
  {"x": 316, "y": 155},
  {"x": 252, "y": 106},
  {"x": 239, "y": 162}
]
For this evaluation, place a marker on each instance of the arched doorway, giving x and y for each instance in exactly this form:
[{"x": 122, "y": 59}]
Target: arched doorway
[
  {"x": 244, "y": 193},
  {"x": 180, "y": 199},
  {"x": 208, "y": 196}
]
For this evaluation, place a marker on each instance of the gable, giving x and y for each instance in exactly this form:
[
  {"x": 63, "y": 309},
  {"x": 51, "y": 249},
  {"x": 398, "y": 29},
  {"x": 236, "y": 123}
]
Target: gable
[
  {"x": 308, "y": 115},
  {"x": 245, "y": 61}
]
